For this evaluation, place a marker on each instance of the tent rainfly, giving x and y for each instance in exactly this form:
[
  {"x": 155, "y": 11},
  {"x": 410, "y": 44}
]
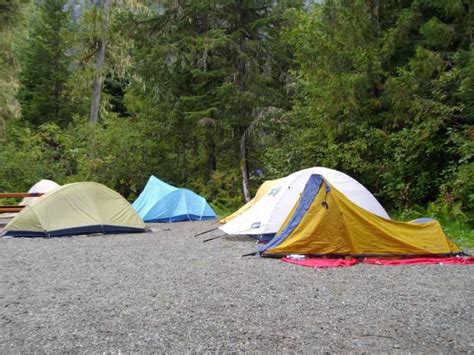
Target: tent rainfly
[
  {"x": 161, "y": 202},
  {"x": 41, "y": 187},
  {"x": 268, "y": 214},
  {"x": 78, "y": 208},
  {"x": 326, "y": 222},
  {"x": 261, "y": 192}
]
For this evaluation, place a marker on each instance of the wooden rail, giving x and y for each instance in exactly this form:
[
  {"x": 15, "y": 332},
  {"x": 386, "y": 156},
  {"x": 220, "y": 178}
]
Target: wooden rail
[
  {"x": 10, "y": 209},
  {"x": 19, "y": 194}
]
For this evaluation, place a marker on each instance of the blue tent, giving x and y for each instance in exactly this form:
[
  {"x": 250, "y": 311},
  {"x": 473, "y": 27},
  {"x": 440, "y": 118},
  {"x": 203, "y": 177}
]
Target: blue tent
[{"x": 161, "y": 202}]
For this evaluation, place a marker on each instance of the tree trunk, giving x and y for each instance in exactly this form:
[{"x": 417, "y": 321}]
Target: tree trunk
[
  {"x": 100, "y": 60},
  {"x": 239, "y": 80},
  {"x": 244, "y": 166},
  {"x": 211, "y": 157}
]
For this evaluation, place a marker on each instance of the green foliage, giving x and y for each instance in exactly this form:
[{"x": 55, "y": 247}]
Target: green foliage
[
  {"x": 83, "y": 35},
  {"x": 10, "y": 12},
  {"x": 456, "y": 224},
  {"x": 31, "y": 155},
  {"x": 461, "y": 188},
  {"x": 223, "y": 190},
  {"x": 10, "y": 17},
  {"x": 382, "y": 90},
  {"x": 437, "y": 34},
  {"x": 119, "y": 153},
  {"x": 210, "y": 70},
  {"x": 44, "y": 95},
  {"x": 8, "y": 83}
]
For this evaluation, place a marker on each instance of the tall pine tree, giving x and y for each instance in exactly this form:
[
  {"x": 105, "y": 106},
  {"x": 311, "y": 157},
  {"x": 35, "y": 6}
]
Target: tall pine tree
[
  {"x": 10, "y": 15},
  {"x": 213, "y": 69},
  {"x": 43, "y": 94}
]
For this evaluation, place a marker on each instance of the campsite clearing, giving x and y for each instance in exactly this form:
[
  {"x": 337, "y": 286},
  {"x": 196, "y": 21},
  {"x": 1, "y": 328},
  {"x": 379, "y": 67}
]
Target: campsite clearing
[{"x": 167, "y": 291}]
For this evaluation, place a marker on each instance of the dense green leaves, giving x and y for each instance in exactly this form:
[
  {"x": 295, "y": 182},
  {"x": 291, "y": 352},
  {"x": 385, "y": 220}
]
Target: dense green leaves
[
  {"x": 10, "y": 16},
  {"x": 206, "y": 94},
  {"x": 210, "y": 69},
  {"x": 383, "y": 96},
  {"x": 44, "y": 95}
]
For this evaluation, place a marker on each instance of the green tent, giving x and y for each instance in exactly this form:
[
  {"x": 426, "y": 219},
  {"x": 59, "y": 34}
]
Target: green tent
[{"x": 78, "y": 208}]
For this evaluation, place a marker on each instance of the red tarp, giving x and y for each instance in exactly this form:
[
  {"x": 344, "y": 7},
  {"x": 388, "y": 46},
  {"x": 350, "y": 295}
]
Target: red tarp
[
  {"x": 323, "y": 263},
  {"x": 440, "y": 261},
  {"x": 320, "y": 262}
]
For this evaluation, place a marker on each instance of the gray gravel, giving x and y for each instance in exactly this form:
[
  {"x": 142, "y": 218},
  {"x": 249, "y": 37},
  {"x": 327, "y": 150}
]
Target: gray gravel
[{"x": 167, "y": 291}]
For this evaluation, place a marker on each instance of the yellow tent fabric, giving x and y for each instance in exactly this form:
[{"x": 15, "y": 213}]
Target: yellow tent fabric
[
  {"x": 262, "y": 191},
  {"x": 328, "y": 223},
  {"x": 78, "y": 208}
]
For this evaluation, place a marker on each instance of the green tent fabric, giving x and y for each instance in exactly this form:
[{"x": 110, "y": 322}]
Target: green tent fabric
[{"x": 78, "y": 208}]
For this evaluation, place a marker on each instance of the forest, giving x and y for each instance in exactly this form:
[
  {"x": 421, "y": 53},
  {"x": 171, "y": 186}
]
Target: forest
[{"x": 219, "y": 96}]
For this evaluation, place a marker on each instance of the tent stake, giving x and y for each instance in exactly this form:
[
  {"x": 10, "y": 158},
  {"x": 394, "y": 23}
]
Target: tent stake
[
  {"x": 212, "y": 238},
  {"x": 249, "y": 254},
  {"x": 210, "y": 230}
]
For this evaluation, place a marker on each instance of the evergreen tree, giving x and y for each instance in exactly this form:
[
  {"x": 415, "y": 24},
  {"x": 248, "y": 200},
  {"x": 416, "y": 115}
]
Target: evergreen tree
[
  {"x": 44, "y": 95},
  {"x": 10, "y": 15},
  {"x": 101, "y": 59},
  {"x": 383, "y": 94},
  {"x": 10, "y": 10},
  {"x": 213, "y": 69}
]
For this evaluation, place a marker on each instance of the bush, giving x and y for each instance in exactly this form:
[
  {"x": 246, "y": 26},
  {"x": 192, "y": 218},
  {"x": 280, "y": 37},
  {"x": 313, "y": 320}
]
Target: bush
[{"x": 31, "y": 155}]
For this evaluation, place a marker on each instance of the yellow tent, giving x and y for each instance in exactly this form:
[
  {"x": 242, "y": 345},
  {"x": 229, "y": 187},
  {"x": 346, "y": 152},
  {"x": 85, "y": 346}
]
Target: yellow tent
[
  {"x": 325, "y": 222},
  {"x": 78, "y": 208},
  {"x": 262, "y": 191}
]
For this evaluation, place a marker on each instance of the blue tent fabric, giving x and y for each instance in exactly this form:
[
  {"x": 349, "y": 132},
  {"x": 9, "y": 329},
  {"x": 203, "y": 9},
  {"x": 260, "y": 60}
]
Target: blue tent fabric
[
  {"x": 154, "y": 190},
  {"x": 161, "y": 202},
  {"x": 422, "y": 220}
]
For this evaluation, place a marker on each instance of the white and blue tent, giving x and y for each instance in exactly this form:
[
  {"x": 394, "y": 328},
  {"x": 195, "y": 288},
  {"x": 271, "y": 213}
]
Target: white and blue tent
[{"x": 161, "y": 202}]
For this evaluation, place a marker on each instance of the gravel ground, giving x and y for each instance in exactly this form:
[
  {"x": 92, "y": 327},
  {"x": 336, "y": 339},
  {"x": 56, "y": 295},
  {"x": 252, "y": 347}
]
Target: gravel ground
[{"x": 167, "y": 291}]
